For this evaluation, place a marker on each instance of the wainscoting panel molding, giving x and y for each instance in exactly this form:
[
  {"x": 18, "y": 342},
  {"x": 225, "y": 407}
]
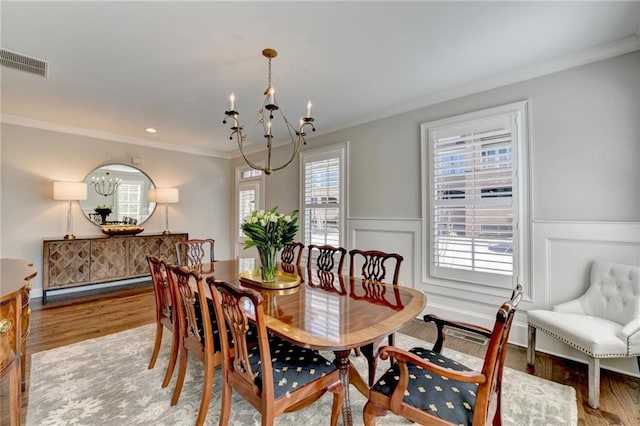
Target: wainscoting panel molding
[{"x": 400, "y": 236}]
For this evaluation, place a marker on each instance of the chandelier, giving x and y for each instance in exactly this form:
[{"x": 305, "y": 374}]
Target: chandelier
[
  {"x": 265, "y": 119},
  {"x": 105, "y": 185}
]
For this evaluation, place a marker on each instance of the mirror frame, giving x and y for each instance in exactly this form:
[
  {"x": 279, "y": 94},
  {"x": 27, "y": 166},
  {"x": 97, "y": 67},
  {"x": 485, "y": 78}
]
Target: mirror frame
[{"x": 94, "y": 199}]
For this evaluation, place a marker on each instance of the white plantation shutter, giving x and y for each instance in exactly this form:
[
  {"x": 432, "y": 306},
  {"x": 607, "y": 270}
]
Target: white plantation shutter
[
  {"x": 246, "y": 204},
  {"x": 249, "y": 190},
  {"x": 322, "y": 196},
  {"x": 474, "y": 199}
]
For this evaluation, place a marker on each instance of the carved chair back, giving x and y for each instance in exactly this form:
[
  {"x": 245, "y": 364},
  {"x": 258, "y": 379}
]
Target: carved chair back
[
  {"x": 195, "y": 252},
  {"x": 373, "y": 265},
  {"x": 292, "y": 253},
  {"x": 325, "y": 258}
]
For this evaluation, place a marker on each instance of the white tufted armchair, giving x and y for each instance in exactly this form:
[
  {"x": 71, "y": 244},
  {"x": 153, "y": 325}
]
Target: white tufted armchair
[{"x": 603, "y": 323}]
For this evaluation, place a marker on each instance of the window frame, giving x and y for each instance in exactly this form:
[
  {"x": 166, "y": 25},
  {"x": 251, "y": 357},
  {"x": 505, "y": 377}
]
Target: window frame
[
  {"x": 243, "y": 183},
  {"x": 473, "y": 280},
  {"x": 340, "y": 151}
]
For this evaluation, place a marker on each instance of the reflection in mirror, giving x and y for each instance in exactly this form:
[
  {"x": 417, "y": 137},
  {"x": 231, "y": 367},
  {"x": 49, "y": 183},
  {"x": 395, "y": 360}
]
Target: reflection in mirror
[{"x": 117, "y": 194}]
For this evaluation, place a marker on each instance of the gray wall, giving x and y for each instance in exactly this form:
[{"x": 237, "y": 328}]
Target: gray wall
[
  {"x": 585, "y": 148},
  {"x": 33, "y": 158}
]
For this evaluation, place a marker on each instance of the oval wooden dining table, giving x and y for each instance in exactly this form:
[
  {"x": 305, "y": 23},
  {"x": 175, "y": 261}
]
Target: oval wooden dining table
[{"x": 329, "y": 312}]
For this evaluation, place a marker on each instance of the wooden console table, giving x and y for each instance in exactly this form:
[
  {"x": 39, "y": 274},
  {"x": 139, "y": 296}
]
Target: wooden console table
[
  {"x": 101, "y": 259},
  {"x": 14, "y": 327}
]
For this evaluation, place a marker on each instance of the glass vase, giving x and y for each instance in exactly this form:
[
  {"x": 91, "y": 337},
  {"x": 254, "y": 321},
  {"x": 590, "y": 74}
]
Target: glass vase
[{"x": 267, "y": 263}]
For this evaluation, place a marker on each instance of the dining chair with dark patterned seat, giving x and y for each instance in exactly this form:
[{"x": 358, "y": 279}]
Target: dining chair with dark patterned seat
[
  {"x": 165, "y": 316},
  {"x": 192, "y": 309},
  {"x": 274, "y": 376},
  {"x": 326, "y": 258},
  {"x": 427, "y": 387},
  {"x": 374, "y": 267},
  {"x": 195, "y": 251}
]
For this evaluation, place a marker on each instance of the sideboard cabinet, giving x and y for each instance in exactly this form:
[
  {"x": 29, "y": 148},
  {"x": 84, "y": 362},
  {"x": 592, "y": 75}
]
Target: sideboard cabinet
[
  {"x": 95, "y": 260},
  {"x": 15, "y": 276}
]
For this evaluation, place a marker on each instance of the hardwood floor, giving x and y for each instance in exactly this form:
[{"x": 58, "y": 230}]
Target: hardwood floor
[{"x": 71, "y": 320}]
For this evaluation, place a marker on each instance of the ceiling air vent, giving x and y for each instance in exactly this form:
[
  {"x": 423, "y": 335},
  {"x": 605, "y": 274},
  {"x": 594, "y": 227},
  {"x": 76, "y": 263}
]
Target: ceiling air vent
[{"x": 23, "y": 63}]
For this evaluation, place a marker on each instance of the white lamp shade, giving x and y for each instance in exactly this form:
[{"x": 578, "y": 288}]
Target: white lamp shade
[
  {"x": 164, "y": 195},
  {"x": 69, "y": 191}
]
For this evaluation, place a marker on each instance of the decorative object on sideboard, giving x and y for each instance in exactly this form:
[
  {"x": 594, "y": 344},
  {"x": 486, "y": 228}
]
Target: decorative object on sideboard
[
  {"x": 121, "y": 229},
  {"x": 265, "y": 119},
  {"x": 69, "y": 191},
  {"x": 103, "y": 212},
  {"x": 166, "y": 196}
]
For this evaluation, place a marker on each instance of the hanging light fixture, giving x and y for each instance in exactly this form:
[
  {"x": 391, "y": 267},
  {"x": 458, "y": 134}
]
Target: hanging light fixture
[
  {"x": 105, "y": 185},
  {"x": 265, "y": 119}
]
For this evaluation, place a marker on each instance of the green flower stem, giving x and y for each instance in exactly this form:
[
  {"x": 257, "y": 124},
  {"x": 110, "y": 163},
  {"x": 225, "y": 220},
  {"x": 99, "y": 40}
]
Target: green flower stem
[{"x": 267, "y": 263}]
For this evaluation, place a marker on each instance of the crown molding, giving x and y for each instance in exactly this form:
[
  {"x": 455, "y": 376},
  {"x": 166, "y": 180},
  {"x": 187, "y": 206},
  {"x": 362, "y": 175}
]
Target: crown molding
[
  {"x": 96, "y": 134},
  {"x": 587, "y": 56}
]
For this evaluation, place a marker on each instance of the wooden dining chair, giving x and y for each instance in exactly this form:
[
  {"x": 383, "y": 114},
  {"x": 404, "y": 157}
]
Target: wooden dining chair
[
  {"x": 374, "y": 267},
  {"x": 274, "y": 376},
  {"x": 165, "y": 317},
  {"x": 196, "y": 317},
  {"x": 195, "y": 252},
  {"x": 427, "y": 387},
  {"x": 325, "y": 258},
  {"x": 292, "y": 253}
]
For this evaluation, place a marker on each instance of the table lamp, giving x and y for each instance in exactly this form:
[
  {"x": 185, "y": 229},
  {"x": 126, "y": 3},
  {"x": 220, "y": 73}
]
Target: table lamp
[
  {"x": 69, "y": 191},
  {"x": 166, "y": 196}
]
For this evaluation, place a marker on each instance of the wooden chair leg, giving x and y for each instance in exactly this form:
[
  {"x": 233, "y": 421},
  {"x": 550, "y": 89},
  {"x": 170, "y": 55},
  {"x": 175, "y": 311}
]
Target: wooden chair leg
[
  {"x": 206, "y": 394},
  {"x": 370, "y": 412},
  {"x": 156, "y": 345},
  {"x": 531, "y": 346},
  {"x": 175, "y": 347},
  {"x": 594, "y": 382},
  {"x": 182, "y": 369},
  {"x": 225, "y": 407}
]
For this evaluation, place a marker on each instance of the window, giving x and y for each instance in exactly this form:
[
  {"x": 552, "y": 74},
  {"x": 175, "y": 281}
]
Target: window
[
  {"x": 475, "y": 196},
  {"x": 249, "y": 185},
  {"x": 323, "y": 209},
  {"x": 128, "y": 200}
]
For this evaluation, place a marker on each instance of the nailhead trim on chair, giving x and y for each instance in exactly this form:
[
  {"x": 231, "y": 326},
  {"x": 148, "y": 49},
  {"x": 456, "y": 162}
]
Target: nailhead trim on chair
[{"x": 621, "y": 355}]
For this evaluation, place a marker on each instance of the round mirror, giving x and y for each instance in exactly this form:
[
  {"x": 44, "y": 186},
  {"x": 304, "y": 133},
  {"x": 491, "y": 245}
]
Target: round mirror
[{"x": 117, "y": 195}]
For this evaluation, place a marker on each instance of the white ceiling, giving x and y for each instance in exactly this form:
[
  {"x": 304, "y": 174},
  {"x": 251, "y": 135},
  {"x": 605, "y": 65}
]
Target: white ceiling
[{"x": 116, "y": 68}]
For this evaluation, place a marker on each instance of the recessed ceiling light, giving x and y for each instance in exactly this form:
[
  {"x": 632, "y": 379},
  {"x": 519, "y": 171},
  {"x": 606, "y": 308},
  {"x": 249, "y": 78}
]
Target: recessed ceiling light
[{"x": 150, "y": 130}]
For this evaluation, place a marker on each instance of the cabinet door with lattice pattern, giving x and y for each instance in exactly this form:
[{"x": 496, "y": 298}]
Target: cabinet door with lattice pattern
[
  {"x": 162, "y": 246},
  {"x": 109, "y": 259},
  {"x": 67, "y": 263}
]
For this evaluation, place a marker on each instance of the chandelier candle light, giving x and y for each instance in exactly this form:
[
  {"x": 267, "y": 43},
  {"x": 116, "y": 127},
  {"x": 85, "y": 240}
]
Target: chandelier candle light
[{"x": 265, "y": 119}]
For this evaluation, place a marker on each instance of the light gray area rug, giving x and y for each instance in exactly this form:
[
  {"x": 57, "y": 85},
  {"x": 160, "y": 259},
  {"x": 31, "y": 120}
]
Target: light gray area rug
[{"x": 105, "y": 381}]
